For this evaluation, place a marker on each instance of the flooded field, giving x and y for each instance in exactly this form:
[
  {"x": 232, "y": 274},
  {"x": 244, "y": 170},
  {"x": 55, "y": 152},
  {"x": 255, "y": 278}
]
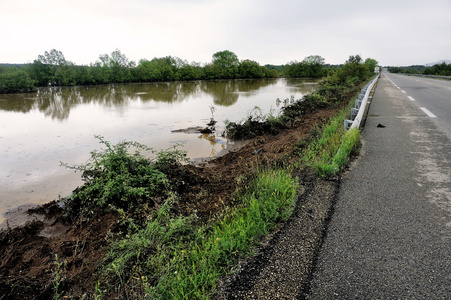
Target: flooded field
[{"x": 40, "y": 130}]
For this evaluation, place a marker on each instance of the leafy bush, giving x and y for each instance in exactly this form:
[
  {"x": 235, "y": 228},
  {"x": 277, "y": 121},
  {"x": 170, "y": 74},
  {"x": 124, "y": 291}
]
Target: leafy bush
[
  {"x": 13, "y": 80},
  {"x": 115, "y": 178}
]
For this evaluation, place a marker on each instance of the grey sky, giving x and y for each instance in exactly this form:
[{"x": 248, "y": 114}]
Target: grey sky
[{"x": 395, "y": 32}]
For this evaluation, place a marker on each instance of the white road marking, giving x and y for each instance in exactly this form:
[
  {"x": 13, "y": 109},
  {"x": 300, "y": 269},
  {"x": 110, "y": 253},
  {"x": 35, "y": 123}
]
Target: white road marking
[
  {"x": 426, "y": 111},
  {"x": 403, "y": 91},
  {"x": 411, "y": 98}
]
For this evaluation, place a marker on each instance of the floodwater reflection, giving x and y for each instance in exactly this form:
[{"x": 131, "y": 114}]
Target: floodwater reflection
[{"x": 38, "y": 130}]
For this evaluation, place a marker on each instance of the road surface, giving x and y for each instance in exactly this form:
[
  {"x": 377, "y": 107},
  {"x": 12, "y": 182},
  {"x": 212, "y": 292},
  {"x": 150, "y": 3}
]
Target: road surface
[{"x": 390, "y": 234}]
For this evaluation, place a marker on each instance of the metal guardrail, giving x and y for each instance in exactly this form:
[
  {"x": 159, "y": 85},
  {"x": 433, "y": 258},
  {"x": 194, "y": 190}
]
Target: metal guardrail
[
  {"x": 360, "y": 104},
  {"x": 429, "y": 76}
]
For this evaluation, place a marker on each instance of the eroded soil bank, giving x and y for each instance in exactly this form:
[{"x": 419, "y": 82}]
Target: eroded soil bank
[{"x": 27, "y": 269}]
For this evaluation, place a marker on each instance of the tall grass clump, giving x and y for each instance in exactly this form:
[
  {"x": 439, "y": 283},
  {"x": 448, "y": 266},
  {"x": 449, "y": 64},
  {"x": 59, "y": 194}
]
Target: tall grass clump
[
  {"x": 171, "y": 258},
  {"x": 330, "y": 149}
]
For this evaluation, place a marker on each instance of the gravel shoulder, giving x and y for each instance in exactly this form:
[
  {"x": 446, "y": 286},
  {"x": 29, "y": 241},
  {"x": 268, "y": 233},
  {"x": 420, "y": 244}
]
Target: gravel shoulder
[{"x": 282, "y": 266}]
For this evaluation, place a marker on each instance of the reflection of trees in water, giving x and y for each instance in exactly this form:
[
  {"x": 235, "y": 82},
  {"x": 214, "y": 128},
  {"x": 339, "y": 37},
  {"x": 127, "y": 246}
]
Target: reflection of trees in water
[
  {"x": 167, "y": 91},
  {"x": 227, "y": 92},
  {"x": 17, "y": 102},
  {"x": 56, "y": 102},
  {"x": 305, "y": 86}
]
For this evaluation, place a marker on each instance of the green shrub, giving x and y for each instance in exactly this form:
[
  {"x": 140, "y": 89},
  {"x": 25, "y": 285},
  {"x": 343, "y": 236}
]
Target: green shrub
[
  {"x": 116, "y": 178},
  {"x": 13, "y": 80}
]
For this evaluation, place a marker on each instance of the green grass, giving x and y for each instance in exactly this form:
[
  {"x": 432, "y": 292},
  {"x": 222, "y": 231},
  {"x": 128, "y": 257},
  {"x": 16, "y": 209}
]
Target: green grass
[
  {"x": 173, "y": 259},
  {"x": 328, "y": 153}
]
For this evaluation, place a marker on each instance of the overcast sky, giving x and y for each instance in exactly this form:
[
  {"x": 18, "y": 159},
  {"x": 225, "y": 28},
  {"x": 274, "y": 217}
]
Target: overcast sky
[{"x": 394, "y": 32}]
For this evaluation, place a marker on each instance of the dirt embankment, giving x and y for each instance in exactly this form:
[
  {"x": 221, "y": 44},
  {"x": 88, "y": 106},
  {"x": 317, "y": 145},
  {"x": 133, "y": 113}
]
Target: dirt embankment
[{"x": 29, "y": 253}]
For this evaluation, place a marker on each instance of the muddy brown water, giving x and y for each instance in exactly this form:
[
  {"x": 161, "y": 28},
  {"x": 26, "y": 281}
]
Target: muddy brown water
[{"x": 40, "y": 130}]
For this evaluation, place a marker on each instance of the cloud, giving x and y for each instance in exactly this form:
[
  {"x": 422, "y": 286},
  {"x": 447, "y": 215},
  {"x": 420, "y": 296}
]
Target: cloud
[{"x": 393, "y": 32}]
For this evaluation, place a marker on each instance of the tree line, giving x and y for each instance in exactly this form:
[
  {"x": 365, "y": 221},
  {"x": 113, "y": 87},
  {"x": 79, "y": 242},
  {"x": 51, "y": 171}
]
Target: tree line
[
  {"x": 442, "y": 69},
  {"x": 52, "y": 69}
]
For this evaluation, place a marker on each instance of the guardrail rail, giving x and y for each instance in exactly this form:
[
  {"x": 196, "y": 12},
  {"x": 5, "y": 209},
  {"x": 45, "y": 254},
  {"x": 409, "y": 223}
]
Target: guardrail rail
[{"x": 360, "y": 104}]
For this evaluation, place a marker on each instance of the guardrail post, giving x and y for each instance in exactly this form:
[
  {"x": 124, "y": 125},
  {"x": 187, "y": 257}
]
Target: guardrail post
[
  {"x": 357, "y": 113},
  {"x": 354, "y": 112},
  {"x": 357, "y": 103},
  {"x": 347, "y": 124}
]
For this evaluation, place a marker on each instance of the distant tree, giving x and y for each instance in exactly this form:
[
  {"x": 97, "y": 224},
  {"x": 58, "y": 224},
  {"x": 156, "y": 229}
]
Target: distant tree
[
  {"x": 295, "y": 69},
  {"x": 13, "y": 80},
  {"x": 371, "y": 63},
  {"x": 54, "y": 57},
  {"x": 442, "y": 69},
  {"x": 277, "y": 68},
  {"x": 314, "y": 66},
  {"x": 227, "y": 63},
  {"x": 158, "y": 69},
  {"x": 311, "y": 66},
  {"x": 52, "y": 68},
  {"x": 353, "y": 71},
  {"x": 43, "y": 74},
  {"x": 250, "y": 69},
  {"x": 354, "y": 59},
  {"x": 116, "y": 67}
]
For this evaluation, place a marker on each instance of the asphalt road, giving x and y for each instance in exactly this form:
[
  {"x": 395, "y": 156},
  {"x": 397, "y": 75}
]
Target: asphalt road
[
  {"x": 431, "y": 94},
  {"x": 390, "y": 234}
]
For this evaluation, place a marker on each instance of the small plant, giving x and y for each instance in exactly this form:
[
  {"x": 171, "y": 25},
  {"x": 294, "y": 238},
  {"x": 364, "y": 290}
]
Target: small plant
[
  {"x": 98, "y": 294},
  {"x": 212, "y": 119},
  {"x": 58, "y": 277}
]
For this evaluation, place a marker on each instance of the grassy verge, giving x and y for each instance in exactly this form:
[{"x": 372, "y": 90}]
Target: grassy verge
[
  {"x": 332, "y": 146},
  {"x": 170, "y": 258}
]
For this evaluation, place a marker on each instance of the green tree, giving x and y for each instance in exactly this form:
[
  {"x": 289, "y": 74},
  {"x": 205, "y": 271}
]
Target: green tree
[
  {"x": 250, "y": 69},
  {"x": 54, "y": 57},
  {"x": 311, "y": 66},
  {"x": 371, "y": 63},
  {"x": 227, "y": 63},
  {"x": 43, "y": 74},
  {"x": 314, "y": 66},
  {"x": 116, "y": 67},
  {"x": 354, "y": 59},
  {"x": 52, "y": 68},
  {"x": 13, "y": 80},
  {"x": 158, "y": 69},
  {"x": 352, "y": 72}
]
